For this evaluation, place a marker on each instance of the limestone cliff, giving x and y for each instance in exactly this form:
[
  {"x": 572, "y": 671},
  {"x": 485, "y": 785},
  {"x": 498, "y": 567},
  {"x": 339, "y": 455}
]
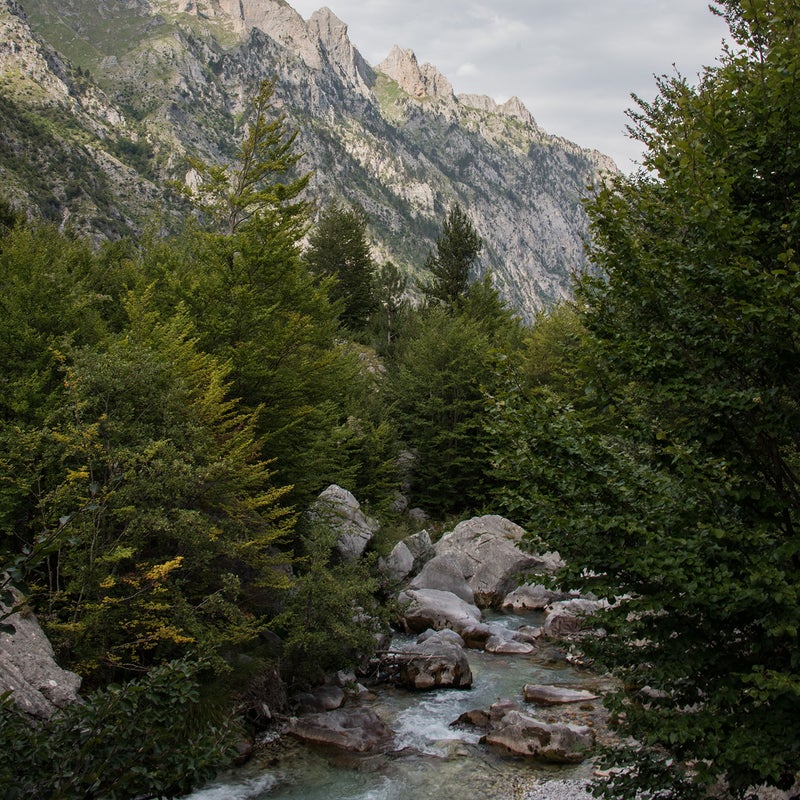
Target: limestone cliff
[{"x": 142, "y": 84}]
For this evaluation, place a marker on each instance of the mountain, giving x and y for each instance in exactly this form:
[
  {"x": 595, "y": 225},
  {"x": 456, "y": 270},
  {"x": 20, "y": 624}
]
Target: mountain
[{"x": 103, "y": 101}]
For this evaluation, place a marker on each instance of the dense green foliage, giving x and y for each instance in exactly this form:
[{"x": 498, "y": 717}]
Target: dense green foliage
[
  {"x": 338, "y": 249},
  {"x": 165, "y": 408},
  {"x": 451, "y": 263},
  {"x": 168, "y": 411},
  {"x": 143, "y": 739},
  {"x": 442, "y": 369},
  {"x": 669, "y": 468},
  {"x": 331, "y": 616}
]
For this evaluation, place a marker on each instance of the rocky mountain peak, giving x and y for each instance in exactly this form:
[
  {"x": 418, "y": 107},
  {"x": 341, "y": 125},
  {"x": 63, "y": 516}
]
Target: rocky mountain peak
[
  {"x": 425, "y": 81},
  {"x": 514, "y": 107},
  {"x": 331, "y": 34}
]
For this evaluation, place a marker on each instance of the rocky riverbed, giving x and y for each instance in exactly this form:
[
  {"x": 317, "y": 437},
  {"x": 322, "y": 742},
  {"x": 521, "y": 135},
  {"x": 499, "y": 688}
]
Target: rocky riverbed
[{"x": 474, "y": 694}]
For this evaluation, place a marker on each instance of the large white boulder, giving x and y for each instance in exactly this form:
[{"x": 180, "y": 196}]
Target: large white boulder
[
  {"x": 339, "y": 511},
  {"x": 433, "y": 608},
  {"x": 487, "y": 549},
  {"x": 28, "y": 668}
]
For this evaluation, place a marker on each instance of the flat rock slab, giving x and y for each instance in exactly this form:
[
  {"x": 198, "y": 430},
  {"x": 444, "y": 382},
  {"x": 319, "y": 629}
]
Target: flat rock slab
[
  {"x": 500, "y": 646},
  {"x": 544, "y": 695},
  {"x": 358, "y": 730},
  {"x": 521, "y": 734}
]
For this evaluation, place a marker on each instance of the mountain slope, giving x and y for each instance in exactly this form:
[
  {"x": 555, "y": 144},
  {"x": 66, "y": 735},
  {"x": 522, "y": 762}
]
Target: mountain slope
[{"x": 125, "y": 89}]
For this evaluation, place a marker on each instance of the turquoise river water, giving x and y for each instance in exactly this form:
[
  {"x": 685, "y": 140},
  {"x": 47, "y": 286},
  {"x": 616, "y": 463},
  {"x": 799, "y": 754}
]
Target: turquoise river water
[{"x": 428, "y": 759}]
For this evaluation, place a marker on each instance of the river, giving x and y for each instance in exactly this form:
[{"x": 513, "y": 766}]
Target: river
[{"x": 429, "y": 760}]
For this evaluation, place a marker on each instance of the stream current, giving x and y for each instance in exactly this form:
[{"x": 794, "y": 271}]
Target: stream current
[{"x": 428, "y": 760}]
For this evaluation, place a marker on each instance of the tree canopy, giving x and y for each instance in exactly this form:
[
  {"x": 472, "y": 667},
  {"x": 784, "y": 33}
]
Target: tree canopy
[
  {"x": 682, "y": 503},
  {"x": 338, "y": 249}
]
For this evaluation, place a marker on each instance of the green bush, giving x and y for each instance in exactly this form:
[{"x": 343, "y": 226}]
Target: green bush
[{"x": 144, "y": 739}]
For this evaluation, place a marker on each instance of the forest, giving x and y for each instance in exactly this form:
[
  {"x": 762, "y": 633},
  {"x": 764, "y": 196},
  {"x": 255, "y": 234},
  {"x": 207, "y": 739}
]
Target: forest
[{"x": 171, "y": 405}]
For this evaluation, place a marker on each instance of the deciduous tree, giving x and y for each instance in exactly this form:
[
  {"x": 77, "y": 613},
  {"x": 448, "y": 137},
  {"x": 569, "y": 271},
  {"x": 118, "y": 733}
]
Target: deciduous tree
[{"x": 686, "y": 511}]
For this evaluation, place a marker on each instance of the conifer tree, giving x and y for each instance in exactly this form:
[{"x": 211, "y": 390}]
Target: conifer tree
[
  {"x": 338, "y": 249},
  {"x": 450, "y": 265},
  {"x": 255, "y": 305}
]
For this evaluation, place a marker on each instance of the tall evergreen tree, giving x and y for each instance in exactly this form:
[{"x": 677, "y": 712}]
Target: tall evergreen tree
[
  {"x": 230, "y": 195},
  {"x": 450, "y": 265},
  {"x": 255, "y": 305},
  {"x": 338, "y": 249}
]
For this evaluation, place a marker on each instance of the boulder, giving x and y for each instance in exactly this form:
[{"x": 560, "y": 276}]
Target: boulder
[
  {"x": 338, "y": 510},
  {"x": 444, "y": 572},
  {"x": 544, "y": 695},
  {"x": 522, "y": 734},
  {"x": 356, "y": 729},
  {"x": 528, "y": 633},
  {"x": 567, "y": 618},
  {"x": 28, "y": 668},
  {"x": 434, "y": 664},
  {"x": 408, "y": 557},
  {"x": 445, "y": 635},
  {"x": 432, "y": 608},
  {"x": 476, "y": 635},
  {"x": 477, "y": 718},
  {"x": 487, "y": 549},
  {"x": 329, "y": 698},
  {"x": 504, "y": 646},
  {"x": 421, "y": 548},
  {"x": 398, "y": 565},
  {"x": 531, "y": 597}
]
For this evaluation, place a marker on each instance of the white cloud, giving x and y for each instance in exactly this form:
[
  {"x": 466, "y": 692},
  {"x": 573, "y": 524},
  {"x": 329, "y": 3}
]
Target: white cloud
[{"x": 467, "y": 70}]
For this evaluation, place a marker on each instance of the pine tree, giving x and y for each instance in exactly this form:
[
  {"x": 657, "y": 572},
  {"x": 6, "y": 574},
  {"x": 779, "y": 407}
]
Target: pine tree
[
  {"x": 450, "y": 265},
  {"x": 338, "y": 249}
]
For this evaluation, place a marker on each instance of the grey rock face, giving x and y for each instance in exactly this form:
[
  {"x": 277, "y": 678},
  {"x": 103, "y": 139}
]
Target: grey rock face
[
  {"x": 395, "y": 139},
  {"x": 28, "y": 668},
  {"x": 338, "y": 510},
  {"x": 432, "y": 608},
  {"x": 487, "y": 549}
]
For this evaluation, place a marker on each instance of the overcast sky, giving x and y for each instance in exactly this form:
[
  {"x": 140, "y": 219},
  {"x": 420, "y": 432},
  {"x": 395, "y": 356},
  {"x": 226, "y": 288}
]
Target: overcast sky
[{"x": 574, "y": 63}]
